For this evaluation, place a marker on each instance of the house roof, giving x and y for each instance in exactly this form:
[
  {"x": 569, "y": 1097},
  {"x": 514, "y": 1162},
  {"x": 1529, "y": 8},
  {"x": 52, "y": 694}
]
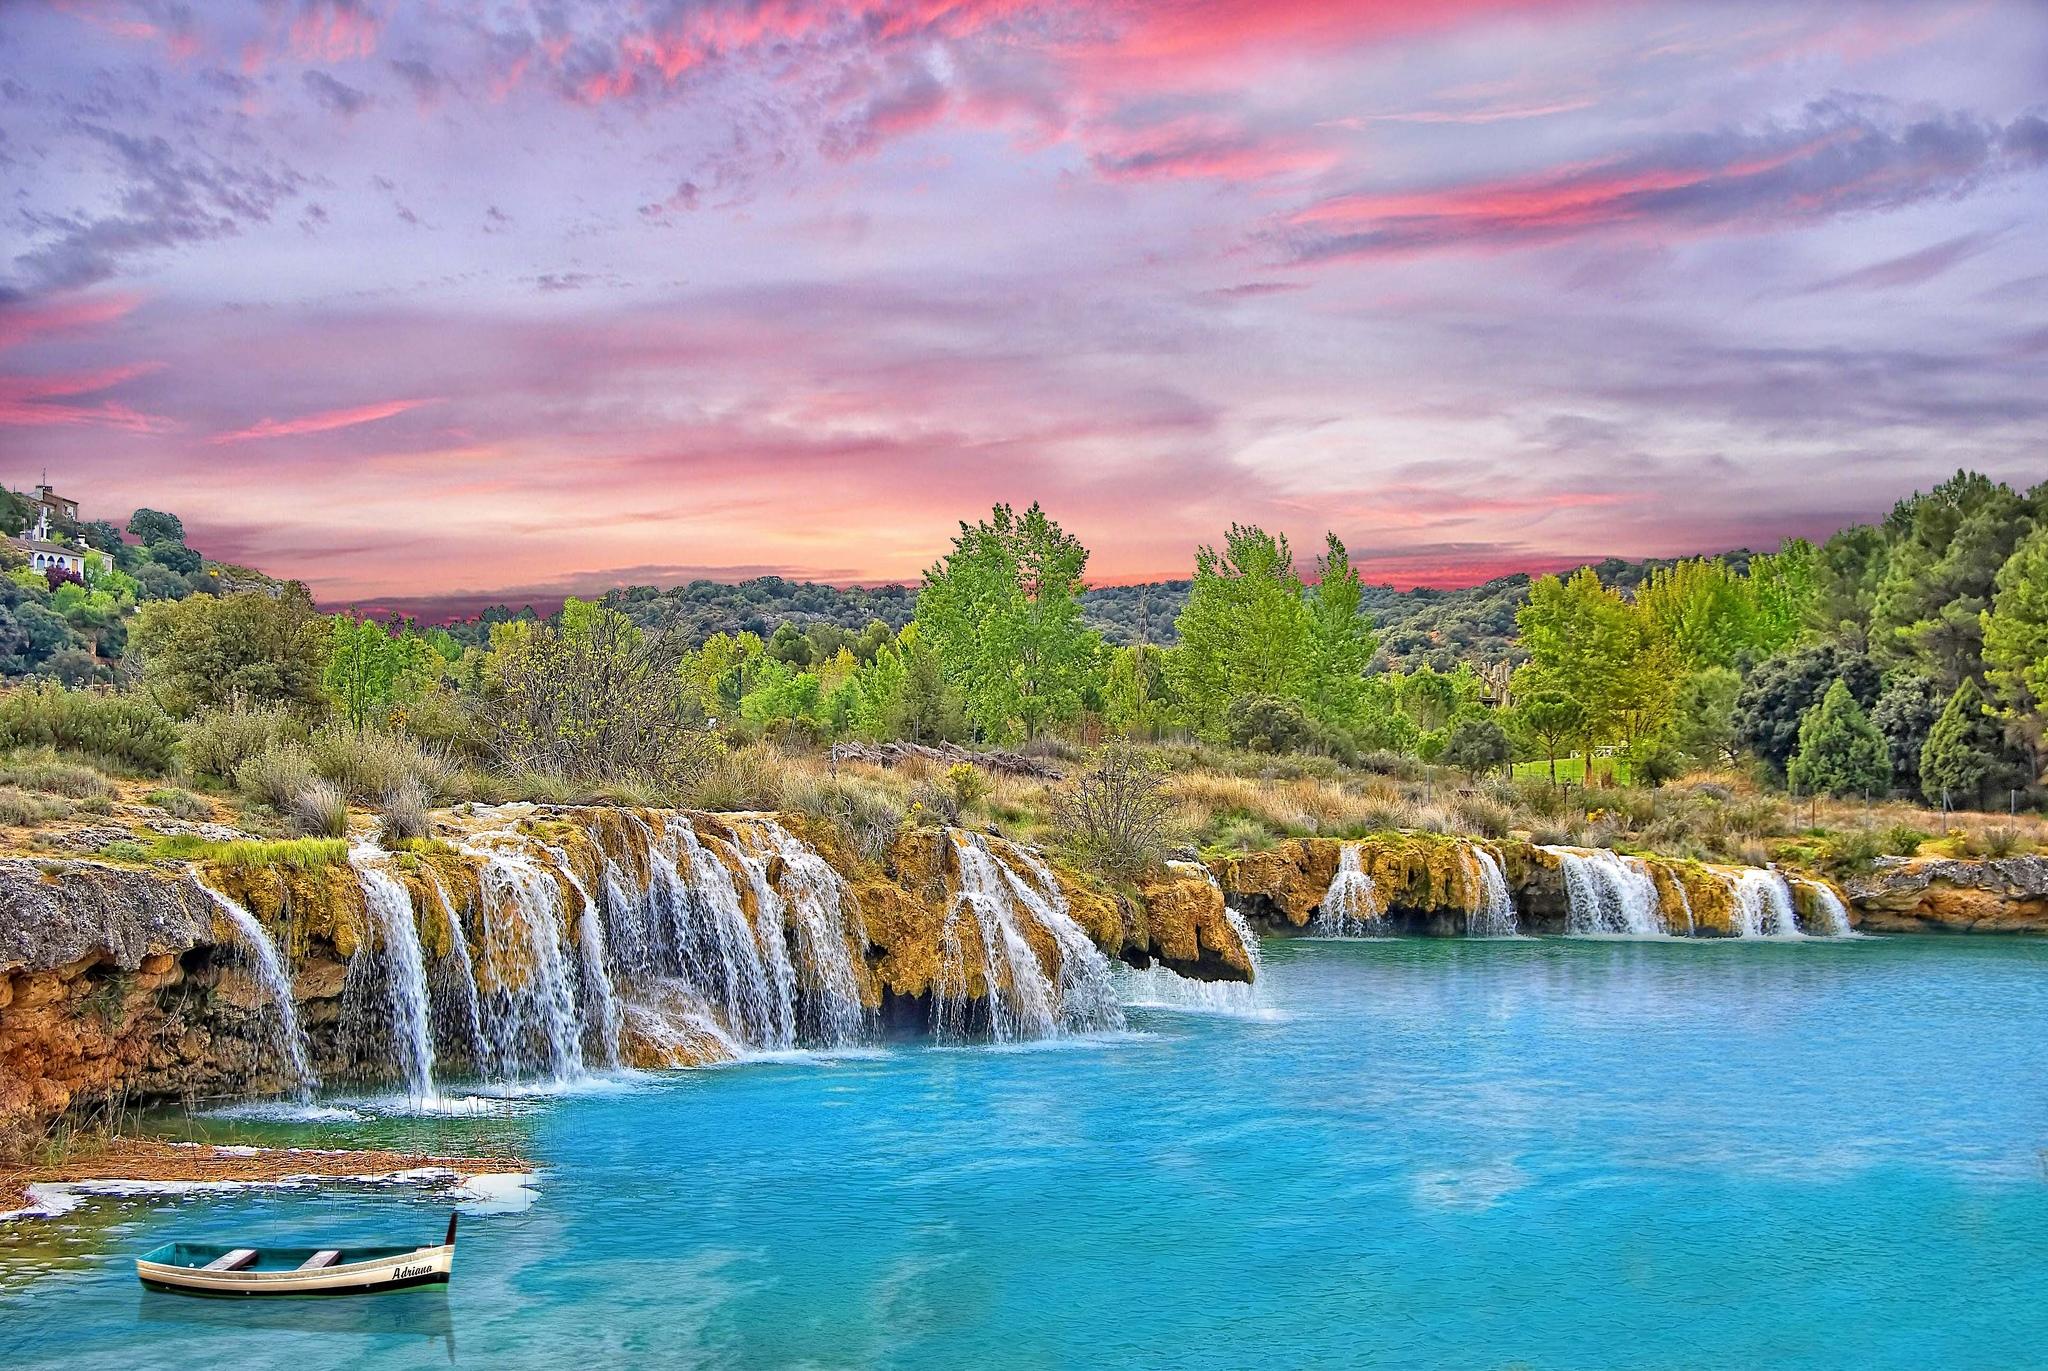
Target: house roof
[{"x": 62, "y": 549}]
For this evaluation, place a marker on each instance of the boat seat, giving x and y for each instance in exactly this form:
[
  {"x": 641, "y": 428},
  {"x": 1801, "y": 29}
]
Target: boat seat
[
  {"x": 320, "y": 1259},
  {"x": 232, "y": 1261}
]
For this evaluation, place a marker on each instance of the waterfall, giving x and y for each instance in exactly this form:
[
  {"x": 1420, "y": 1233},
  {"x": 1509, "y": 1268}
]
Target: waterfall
[
  {"x": 1021, "y": 1000},
  {"x": 1831, "y": 915},
  {"x": 817, "y": 902},
  {"x": 1763, "y": 905},
  {"x": 531, "y": 1016},
  {"x": 271, "y": 974},
  {"x": 405, "y": 969},
  {"x": 1351, "y": 907},
  {"x": 1157, "y": 987},
  {"x": 749, "y": 960},
  {"x": 1608, "y": 893},
  {"x": 463, "y": 978},
  {"x": 593, "y": 964},
  {"x": 1494, "y": 913}
]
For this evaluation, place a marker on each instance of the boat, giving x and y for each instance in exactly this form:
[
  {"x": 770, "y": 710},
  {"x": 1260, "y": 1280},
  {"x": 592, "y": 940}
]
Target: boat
[{"x": 189, "y": 1268}]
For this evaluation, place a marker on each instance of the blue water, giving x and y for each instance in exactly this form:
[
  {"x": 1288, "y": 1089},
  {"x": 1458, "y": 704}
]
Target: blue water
[{"x": 1529, "y": 1154}]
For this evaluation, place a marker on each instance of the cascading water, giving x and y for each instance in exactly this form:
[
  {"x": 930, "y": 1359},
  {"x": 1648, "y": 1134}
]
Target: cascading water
[
  {"x": 461, "y": 977},
  {"x": 532, "y": 1021},
  {"x": 816, "y": 901},
  {"x": 270, "y": 973},
  {"x": 1831, "y": 916},
  {"x": 1763, "y": 905},
  {"x": 592, "y": 964},
  {"x": 1493, "y": 915},
  {"x": 410, "y": 1027},
  {"x": 1022, "y": 1001},
  {"x": 1609, "y": 893},
  {"x": 1351, "y": 907},
  {"x": 743, "y": 967},
  {"x": 1156, "y": 987}
]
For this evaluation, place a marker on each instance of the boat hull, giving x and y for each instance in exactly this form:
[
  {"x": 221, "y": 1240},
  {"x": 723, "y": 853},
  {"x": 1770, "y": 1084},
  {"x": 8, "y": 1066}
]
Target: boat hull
[{"x": 378, "y": 1275}]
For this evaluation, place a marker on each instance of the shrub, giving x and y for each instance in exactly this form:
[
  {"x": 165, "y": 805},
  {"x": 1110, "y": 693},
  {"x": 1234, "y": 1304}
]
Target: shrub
[
  {"x": 125, "y": 850},
  {"x": 1902, "y": 840},
  {"x": 1396, "y": 764},
  {"x": 180, "y": 804},
  {"x": 934, "y": 803},
  {"x": 1487, "y": 818},
  {"x": 20, "y": 809},
  {"x": 1243, "y": 835},
  {"x": 1856, "y": 850},
  {"x": 745, "y": 778},
  {"x": 868, "y": 812},
  {"x": 124, "y": 729},
  {"x": 968, "y": 785},
  {"x": 403, "y": 815},
  {"x": 2003, "y": 840},
  {"x": 320, "y": 811},
  {"x": 277, "y": 776},
  {"x": 1114, "y": 814},
  {"x": 370, "y": 763},
  {"x": 218, "y": 741},
  {"x": 53, "y": 777},
  {"x": 1477, "y": 746},
  {"x": 1266, "y": 723}
]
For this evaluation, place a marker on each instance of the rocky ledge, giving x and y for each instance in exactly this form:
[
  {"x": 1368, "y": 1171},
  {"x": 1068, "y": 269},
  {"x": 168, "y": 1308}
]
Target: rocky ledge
[{"x": 1948, "y": 895}]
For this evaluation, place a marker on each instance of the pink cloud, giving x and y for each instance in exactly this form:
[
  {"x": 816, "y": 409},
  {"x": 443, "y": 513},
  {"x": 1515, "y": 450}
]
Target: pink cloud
[{"x": 325, "y": 421}]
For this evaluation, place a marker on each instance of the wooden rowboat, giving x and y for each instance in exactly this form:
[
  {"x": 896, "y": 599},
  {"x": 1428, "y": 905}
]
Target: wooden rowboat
[{"x": 188, "y": 1268}]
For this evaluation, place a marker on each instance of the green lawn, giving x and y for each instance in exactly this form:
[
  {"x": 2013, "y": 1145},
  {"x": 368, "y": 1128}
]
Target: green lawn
[{"x": 1572, "y": 770}]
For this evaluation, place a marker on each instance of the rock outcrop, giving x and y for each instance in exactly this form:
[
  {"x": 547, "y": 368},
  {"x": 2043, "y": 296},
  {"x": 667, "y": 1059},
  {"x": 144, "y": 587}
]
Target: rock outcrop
[
  {"x": 585, "y": 935},
  {"x": 1948, "y": 895}
]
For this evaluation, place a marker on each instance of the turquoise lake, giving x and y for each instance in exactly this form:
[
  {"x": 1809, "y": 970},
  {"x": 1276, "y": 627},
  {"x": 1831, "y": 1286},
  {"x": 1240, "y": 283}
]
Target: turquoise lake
[{"x": 1545, "y": 1154}]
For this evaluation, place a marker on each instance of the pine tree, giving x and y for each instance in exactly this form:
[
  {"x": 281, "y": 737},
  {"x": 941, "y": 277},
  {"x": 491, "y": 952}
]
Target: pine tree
[
  {"x": 2016, "y": 633},
  {"x": 1965, "y": 760},
  {"x": 1840, "y": 750}
]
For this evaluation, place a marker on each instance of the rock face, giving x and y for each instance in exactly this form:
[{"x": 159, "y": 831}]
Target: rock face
[
  {"x": 1940, "y": 894},
  {"x": 546, "y": 940}
]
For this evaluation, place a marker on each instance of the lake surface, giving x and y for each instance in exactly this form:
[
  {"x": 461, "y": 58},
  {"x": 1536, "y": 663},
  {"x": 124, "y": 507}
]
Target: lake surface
[{"x": 1570, "y": 1154}]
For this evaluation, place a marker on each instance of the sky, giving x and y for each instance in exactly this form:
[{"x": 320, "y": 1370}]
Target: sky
[{"x": 442, "y": 303}]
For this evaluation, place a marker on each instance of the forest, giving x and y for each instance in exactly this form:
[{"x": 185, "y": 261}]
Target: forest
[{"x": 1896, "y": 671}]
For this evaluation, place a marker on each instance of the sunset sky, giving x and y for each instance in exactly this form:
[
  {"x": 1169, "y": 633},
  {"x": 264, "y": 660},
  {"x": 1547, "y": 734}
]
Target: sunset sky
[{"x": 441, "y": 300}]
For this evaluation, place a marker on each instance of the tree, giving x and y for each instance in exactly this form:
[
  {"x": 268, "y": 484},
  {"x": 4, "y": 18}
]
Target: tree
[
  {"x": 1341, "y": 641},
  {"x": 1137, "y": 700},
  {"x": 152, "y": 526},
  {"x": 1477, "y": 746},
  {"x": 1965, "y": 759},
  {"x": 1002, "y": 615},
  {"x": 1703, "y": 727},
  {"x": 2016, "y": 634},
  {"x": 1848, "y": 569},
  {"x": 1905, "y": 712},
  {"x": 1245, "y": 629},
  {"x": 206, "y": 651},
  {"x": 1779, "y": 692},
  {"x": 1705, "y": 611},
  {"x": 1585, "y": 641},
  {"x": 1784, "y": 585},
  {"x": 1266, "y": 723},
  {"x": 1840, "y": 750},
  {"x": 1550, "y": 719},
  {"x": 1947, "y": 547},
  {"x": 371, "y": 671}
]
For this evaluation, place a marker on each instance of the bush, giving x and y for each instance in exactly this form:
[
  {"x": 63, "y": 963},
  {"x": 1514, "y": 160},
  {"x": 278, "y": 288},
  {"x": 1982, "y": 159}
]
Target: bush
[
  {"x": 1856, "y": 850},
  {"x": 125, "y": 850},
  {"x": 218, "y": 741},
  {"x": 1114, "y": 815},
  {"x": 1477, "y": 746},
  {"x": 180, "y": 804},
  {"x": 934, "y": 803},
  {"x": 2003, "y": 840},
  {"x": 277, "y": 776},
  {"x": 124, "y": 729},
  {"x": 52, "y": 777},
  {"x": 1487, "y": 818},
  {"x": 867, "y": 812},
  {"x": 745, "y": 778},
  {"x": 1266, "y": 723},
  {"x": 1902, "y": 840},
  {"x": 320, "y": 811},
  {"x": 968, "y": 785},
  {"x": 370, "y": 763},
  {"x": 403, "y": 814},
  {"x": 20, "y": 809}
]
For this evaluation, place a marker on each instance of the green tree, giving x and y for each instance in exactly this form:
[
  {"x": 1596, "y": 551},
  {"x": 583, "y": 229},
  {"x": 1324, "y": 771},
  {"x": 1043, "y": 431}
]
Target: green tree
[
  {"x": 1704, "y": 610},
  {"x": 1549, "y": 719},
  {"x": 1002, "y": 615},
  {"x": 2015, "y": 632},
  {"x": 209, "y": 650},
  {"x": 1137, "y": 700},
  {"x": 1947, "y": 547},
  {"x": 1776, "y": 696},
  {"x": 153, "y": 526},
  {"x": 1703, "y": 727},
  {"x": 1840, "y": 750},
  {"x": 1341, "y": 641},
  {"x": 1966, "y": 760},
  {"x": 1586, "y": 642},
  {"x": 371, "y": 671},
  {"x": 1477, "y": 746},
  {"x": 1848, "y": 569},
  {"x": 1245, "y": 629},
  {"x": 1784, "y": 586},
  {"x": 1267, "y": 723}
]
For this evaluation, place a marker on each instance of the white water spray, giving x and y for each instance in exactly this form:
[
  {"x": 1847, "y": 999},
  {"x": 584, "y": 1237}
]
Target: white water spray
[
  {"x": 1609, "y": 893},
  {"x": 405, "y": 969},
  {"x": 1493, "y": 914},
  {"x": 270, "y": 973},
  {"x": 1763, "y": 905},
  {"x": 1351, "y": 907}
]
